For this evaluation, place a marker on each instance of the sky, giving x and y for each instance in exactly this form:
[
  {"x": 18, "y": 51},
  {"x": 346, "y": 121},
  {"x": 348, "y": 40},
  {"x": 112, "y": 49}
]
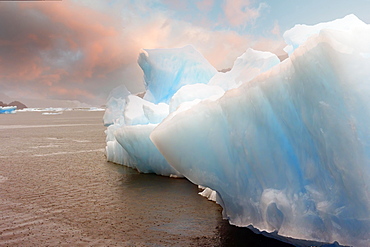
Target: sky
[{"x": 74, "y": 52}]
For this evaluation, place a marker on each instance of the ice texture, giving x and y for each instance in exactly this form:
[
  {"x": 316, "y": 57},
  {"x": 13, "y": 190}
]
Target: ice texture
[
  {"x": 167, "y": 70},
  {"x": 281, "y": 146},
  {"x": 288, "y": 151},
  {"x": 245, "y": 68},
  {"x": 299, "y": 34},
  {"x": 140, "y": 111},
  {"x": 194, "y": 92},
  {"x": 144, "y": 156},
  {"x": 7, "y": 109},
  {"x": 131, "y": 118},
  {"x": 127, "y": 136},
  {"x": 115, "y": 105}
]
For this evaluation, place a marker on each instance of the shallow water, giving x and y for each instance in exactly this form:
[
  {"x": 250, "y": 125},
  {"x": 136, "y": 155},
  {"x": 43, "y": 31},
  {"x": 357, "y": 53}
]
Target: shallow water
[{"x": 56, "y": 189}]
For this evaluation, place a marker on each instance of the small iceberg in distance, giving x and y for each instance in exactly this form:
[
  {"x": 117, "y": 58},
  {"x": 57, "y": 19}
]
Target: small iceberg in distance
[
  {"x": 60, "y": 110},
  {"x": 51, "y": 113},
  {"x": 7, "y": 109}
]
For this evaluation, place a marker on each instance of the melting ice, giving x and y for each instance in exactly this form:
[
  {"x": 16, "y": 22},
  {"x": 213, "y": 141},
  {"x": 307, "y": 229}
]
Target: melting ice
[{"x": 284, "y": 146}]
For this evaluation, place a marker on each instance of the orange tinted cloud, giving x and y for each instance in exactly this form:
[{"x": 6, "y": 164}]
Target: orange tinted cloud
[
  {"x": 67, "y": 50},
  {"x": 96, "y": 34},
  {"x": 75, "y": 93},
  {"x": 205, "y": 5},
  {"x": 239, "y": 12},
  {"x": 59, "y": 44}
]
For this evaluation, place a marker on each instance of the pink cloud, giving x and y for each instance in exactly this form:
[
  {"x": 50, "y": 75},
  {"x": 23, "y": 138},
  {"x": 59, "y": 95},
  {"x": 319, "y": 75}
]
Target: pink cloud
[
  {"x": 176, "y": 4},
  {"x": 68, "y": 50},
  {"x": 276, "y": 29},
  {"x": 239, "y": 12},
  {"x": 58, "y": 44},
  {"x": 205, "y": 5},
  {"x": 95, "y": 33},
  {"x": 51, "y": 79},
  {"x": 272, "y": 45},
  {"x": 75, "y": 92},
  {"x": 221, "y": 48}
]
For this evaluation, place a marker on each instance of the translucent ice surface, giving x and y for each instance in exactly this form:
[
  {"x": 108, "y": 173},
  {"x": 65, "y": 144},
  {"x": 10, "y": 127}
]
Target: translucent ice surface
[
  {"x": 167, "y": 70},
  {"x": 289, "y": 150},
  {"x": 115, "y": 105},
  {"x": 246, "y": 67},
  {"x": 282, "y": 146}
]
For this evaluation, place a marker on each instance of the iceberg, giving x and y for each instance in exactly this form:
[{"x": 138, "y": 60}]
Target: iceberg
[
  {"x": 350, "y": 24},
  {"x": 7, "y": 109},
  {"x": 144, "y": 156},
  {"x": 167, "y": 70},
  {"x": 115, "y": 105},
  {"x": 245, "y": 68},
  {"x": 130, "y": 119},
  {"x": 140, "y": 111},
  {"x": 192, "y": 94},
  {"x": 283, "y": 147}
]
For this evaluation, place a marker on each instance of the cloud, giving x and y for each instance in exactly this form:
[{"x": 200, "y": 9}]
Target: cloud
[
  {"x": 276, "y": 29},
  {"x": 81, "y": 50},
  {"x": 47, "y": 47},
  {"x": 221, "y": 46},
  {"x": 240, "y": 12},
  {"x": 205, "y": 5},
  {"x": 272, "y": 45},
  {"x": 75, "y": 92},
  {"x": 178, "y": 5}
]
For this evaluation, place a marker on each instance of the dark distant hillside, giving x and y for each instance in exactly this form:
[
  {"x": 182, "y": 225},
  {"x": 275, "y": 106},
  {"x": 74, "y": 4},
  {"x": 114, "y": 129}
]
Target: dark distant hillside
[{"x": 18, "y": 104}]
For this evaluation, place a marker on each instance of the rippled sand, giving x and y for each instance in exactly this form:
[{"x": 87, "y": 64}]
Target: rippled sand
[{"x": 56, "y": 189}]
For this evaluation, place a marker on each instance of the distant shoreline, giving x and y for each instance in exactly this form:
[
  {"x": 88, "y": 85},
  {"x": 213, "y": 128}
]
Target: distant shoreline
[{"x": 18, "y": 104}]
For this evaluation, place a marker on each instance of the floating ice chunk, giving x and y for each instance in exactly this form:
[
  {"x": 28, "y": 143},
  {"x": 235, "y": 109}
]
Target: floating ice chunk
[
  {"x": 128, "y": 140},
  {"x": 299, "y": 34},
  {"x": 96, "y": 109},
  {"x": 134, "y": 113},
  {"x": 115, "y": 105},
  {"x": 147, "y": 159},
  {"x": 209, "y": 193},
  {"x": 167, "y": 70},
  {"x": 114, "y": 111},
  {"x": 116, "y": 154},
  {"x": 140, "y": 111},
  {"x": 193, "y": 92},
  {"x": 114, "y": 151},
  {"x": 288, "y": 151},
  {"x": 246, "y": 67},
  {"x": 52, "y": 113},
  {"x": 7, "y": 109},
  {"x": 155, "y": 113}
]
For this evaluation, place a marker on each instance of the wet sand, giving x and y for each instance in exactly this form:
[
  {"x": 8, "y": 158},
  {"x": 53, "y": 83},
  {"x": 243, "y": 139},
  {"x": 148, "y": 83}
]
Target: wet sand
[{"x": 56, "y": 189}]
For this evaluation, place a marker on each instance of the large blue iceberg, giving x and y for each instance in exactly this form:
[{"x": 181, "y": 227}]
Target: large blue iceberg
[{"x": 282, "y": 146}]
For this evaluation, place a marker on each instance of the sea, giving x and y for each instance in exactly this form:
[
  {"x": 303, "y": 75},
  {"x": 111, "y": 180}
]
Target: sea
[{"x": 57, "y": 189}]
